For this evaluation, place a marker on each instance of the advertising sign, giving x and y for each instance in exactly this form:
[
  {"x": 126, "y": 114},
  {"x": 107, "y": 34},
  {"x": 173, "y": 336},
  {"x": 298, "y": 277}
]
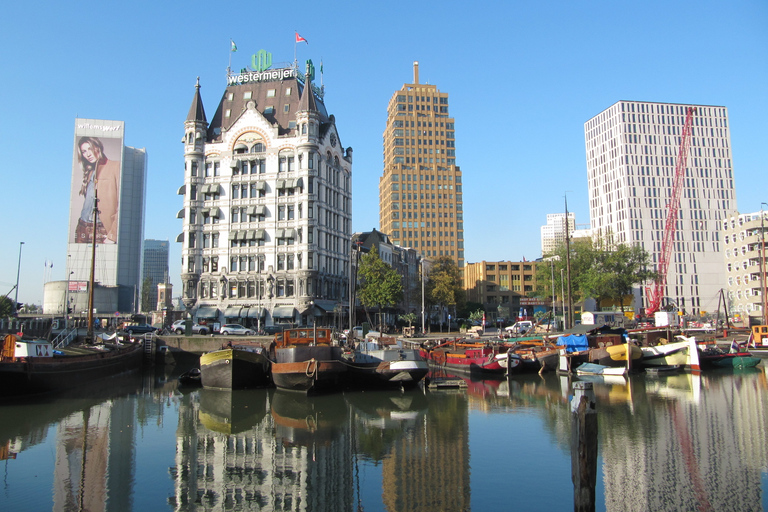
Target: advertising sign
[{"x": 96, "y": 172}]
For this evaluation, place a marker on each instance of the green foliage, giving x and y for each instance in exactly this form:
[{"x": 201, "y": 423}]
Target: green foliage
[
  {"x": 477, "y": 315},
  {"x": 409, "y": 318},
  {"x": 597, "y": 271},
  {"x": 7, "y": 308},
  {"x": 445, "y": 286},
  {"x": 380, "y": 284}
]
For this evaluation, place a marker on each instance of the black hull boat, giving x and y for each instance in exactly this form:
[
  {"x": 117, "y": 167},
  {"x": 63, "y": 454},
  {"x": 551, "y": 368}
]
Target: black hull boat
[
  {"x": 33, "y": 367},
  {"x": 235, "y": 368}
]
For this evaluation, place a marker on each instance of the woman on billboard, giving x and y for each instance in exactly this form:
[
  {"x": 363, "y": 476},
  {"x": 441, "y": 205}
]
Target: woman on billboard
[{"x": 104, "y": 174}]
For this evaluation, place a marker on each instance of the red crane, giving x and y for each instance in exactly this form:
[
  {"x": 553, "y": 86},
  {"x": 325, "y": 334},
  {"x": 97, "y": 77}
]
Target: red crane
[{"x": 670, "y": 228}]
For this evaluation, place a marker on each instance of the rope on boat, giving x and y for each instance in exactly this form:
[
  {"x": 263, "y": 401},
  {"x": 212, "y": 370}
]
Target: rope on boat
[{"x": 311, "y": 374}]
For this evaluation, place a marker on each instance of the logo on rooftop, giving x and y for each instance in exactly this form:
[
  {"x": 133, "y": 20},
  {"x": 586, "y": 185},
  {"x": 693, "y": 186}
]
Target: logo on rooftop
[{"x": 261, "y": 61}]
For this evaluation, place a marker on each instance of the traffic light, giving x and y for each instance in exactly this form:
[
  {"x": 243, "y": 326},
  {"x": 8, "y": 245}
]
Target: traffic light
[
  {"x": 69, "y": 309},
  {"x": 19, "y": 305}
]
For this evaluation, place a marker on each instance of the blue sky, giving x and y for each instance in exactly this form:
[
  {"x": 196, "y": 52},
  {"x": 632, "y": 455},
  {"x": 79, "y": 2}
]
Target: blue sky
[{"x": 522, "y": 77}]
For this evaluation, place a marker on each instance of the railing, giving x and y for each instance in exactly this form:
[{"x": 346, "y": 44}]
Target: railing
[{"x": 64, "y": 338}]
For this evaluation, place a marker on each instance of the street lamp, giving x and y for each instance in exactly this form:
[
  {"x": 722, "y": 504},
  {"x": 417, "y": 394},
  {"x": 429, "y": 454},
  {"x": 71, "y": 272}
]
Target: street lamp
[
  {"x": 18, "y": 272},
  {"x": 314, "y": 322}
]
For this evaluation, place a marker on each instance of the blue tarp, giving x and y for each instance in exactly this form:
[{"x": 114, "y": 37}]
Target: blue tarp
[{"x": 574, "y": 342}]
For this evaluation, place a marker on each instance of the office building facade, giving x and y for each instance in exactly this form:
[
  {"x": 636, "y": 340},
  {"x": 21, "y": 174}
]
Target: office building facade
[
  {"x": 267, "y": 210},
  {"x": 553, "y": 233},
  {"x": 631, "y": 150},
  {"x": 420, "y": 191},
  {"x": 105, "y": 171},
  {"x": 154, "y": 270}
]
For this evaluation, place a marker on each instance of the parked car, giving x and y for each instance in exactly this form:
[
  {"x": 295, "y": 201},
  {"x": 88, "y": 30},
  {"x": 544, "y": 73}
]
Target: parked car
[
  {"x": 179, "y": 327},
  {"x": 139, "y": 329},
  {"x": 227, "y": 329},
  {"x": 272, "y": 329}
]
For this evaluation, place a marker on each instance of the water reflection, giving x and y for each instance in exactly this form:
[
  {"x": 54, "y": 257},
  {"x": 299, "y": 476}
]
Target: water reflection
[{"x": 666, "y": 442}]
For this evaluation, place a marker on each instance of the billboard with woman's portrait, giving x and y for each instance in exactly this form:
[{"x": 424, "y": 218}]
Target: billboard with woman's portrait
[{"x": 96, "y": 175}]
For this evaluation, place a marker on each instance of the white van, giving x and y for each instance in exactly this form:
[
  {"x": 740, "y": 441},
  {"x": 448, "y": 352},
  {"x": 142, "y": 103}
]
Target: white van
[{"x": 521, "y": 327}]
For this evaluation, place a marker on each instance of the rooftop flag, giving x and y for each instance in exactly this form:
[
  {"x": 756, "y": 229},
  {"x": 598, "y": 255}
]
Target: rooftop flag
[
  {"x": 234, "y": 46},
  {"x": 300, "y": 39}
]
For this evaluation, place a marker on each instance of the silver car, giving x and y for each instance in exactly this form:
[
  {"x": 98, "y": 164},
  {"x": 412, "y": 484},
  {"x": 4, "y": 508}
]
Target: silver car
[
  {"x": 179, "y": 326},
  {"x": 227, "y": 329}
]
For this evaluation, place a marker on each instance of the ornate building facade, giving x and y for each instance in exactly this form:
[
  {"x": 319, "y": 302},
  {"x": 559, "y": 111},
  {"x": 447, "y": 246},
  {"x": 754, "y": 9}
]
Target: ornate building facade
[{"x": 267, "y": 203}]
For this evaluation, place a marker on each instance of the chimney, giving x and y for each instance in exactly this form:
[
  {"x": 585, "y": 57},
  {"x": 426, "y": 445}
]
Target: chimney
[{"x": 415, "y": 71}]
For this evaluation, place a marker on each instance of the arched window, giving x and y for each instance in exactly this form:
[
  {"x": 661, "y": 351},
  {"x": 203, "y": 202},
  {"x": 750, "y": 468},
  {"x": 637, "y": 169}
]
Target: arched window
[{"x": 257, "y": 148}]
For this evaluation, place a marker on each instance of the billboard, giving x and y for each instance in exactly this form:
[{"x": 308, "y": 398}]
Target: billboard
[{"x": 96, "y": 173}]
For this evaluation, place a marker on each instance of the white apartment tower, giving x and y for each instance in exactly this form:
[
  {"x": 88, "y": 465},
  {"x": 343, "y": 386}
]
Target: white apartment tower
[
  {"x": 631, "y": 152},
  {"x": 267, "y": 203},
  {"x": 553, "y": 233}
]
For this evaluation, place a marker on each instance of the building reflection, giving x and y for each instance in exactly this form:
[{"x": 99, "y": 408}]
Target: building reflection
[{"x": 686, "y": 442}]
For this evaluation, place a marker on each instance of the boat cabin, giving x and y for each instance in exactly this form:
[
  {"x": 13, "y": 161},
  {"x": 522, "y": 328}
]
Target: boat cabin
[
  {"x": 14, "y": 348},
  {"x": 600, "y": 318},
  {"x": 760, "y": 335},
  {"x": 303, "y": 336}
]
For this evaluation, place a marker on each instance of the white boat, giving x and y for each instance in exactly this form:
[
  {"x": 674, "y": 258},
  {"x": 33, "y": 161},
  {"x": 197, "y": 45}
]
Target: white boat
[
  {"x": 670, "y": 354},
  {"x": 599, "y": 369},
  {"x": 384, "y": 362}
]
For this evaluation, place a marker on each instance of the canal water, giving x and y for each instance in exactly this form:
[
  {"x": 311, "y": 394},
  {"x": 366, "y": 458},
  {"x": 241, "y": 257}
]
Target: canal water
[{"x": 142, "y": 442}]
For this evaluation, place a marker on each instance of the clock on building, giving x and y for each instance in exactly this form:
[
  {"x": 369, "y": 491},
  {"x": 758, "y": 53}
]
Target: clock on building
[{"x": 333, "y": 140}]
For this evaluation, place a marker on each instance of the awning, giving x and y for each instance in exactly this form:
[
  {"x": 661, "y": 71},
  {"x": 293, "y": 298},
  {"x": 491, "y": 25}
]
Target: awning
[
  {"x": 234, "y": 164},
  {"x": 283, "y": 312},
  {"x": 326, "y": 305},
  {"x": 180, "y": 238},
  {"x": 182, "y": 190},
  {"x": 250, "y": 235},
  {"x": 180, "y": 215},
  {"x": 261, "y": 185},
  {"x": 280, "y": 184},
  {"x": 215, "y": 212},
  {"x": 233, "y": 235},
  {"x": 241, "y": 147},
  {"x": 253, "y": 312},
  {"x": 207, "y": 312},
  {"x": 232, "y": 312},
  {"x": 251, "y": 210},
  {"x": 260, "y": 233},
  {"x": 261, "y": 210}
]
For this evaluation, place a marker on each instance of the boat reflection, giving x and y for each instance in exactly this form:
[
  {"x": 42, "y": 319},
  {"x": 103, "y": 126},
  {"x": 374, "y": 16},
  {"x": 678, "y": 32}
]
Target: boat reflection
[{"x": 232, "y": 411}]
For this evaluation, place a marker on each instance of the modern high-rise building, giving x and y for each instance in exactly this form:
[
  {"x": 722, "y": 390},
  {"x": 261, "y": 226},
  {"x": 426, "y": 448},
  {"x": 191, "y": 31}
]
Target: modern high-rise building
[
  {"x": 113, "y": 176},
  {"x": 154, "y": 268},
  {"x": 267, "y": 202},
  {"x": 631, "y": 150},
  {"x": 553, "y": 233},
  {"x": 420, "y": 196}
]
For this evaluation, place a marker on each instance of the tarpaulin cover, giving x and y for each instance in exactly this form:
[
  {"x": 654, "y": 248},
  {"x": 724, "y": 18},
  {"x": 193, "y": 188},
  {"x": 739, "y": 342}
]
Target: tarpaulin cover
[{"x": 574, "y": 342}]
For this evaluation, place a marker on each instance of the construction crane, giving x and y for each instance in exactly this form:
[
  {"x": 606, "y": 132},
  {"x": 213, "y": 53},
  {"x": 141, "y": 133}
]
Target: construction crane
[{"x": 656, "y": 294}]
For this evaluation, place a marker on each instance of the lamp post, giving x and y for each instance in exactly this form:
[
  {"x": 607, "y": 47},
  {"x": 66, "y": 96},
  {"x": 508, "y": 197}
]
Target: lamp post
[
  {"x": 18, "y": 272},
  {"x": 66, "y": 301},
  {"x": 314, "y": 322},
  {"x": 562, "y": 291}
]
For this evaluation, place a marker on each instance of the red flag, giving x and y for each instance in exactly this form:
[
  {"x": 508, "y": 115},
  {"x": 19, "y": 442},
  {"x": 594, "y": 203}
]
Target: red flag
[{"x": 300, "y": 39}]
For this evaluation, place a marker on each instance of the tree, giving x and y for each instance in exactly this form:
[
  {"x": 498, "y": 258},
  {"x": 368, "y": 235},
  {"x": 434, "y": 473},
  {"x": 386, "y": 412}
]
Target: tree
[
  {"x": 445, "y": 286},
  {"x": 408, "y": 317},
  {"x": 600, "y": 272},
  {"x": 146, "y": 290},
  {"x": 7, "y": 307},
  {"x": 380, "y": 284}
]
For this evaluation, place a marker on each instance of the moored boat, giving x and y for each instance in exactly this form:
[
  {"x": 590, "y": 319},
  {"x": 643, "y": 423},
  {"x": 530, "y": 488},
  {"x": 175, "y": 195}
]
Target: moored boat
[
  {"x": 383, "y": 361},
  {"x": 236, "y": 367},
  {"x": 472, "y": 358},
  {"x": 32, "y": 367},
  {"x": 535, "y": 357},
  {"x": 664, "y": 355},
  {"x": 306, "y": 360}
]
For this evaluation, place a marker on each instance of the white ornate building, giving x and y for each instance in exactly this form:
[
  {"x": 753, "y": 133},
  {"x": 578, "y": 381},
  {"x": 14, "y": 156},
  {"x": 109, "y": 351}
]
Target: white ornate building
[{"x": 267, "y": 203}]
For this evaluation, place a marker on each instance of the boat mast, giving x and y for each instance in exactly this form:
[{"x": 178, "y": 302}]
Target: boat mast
[{"x": 89, "y": 336}]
